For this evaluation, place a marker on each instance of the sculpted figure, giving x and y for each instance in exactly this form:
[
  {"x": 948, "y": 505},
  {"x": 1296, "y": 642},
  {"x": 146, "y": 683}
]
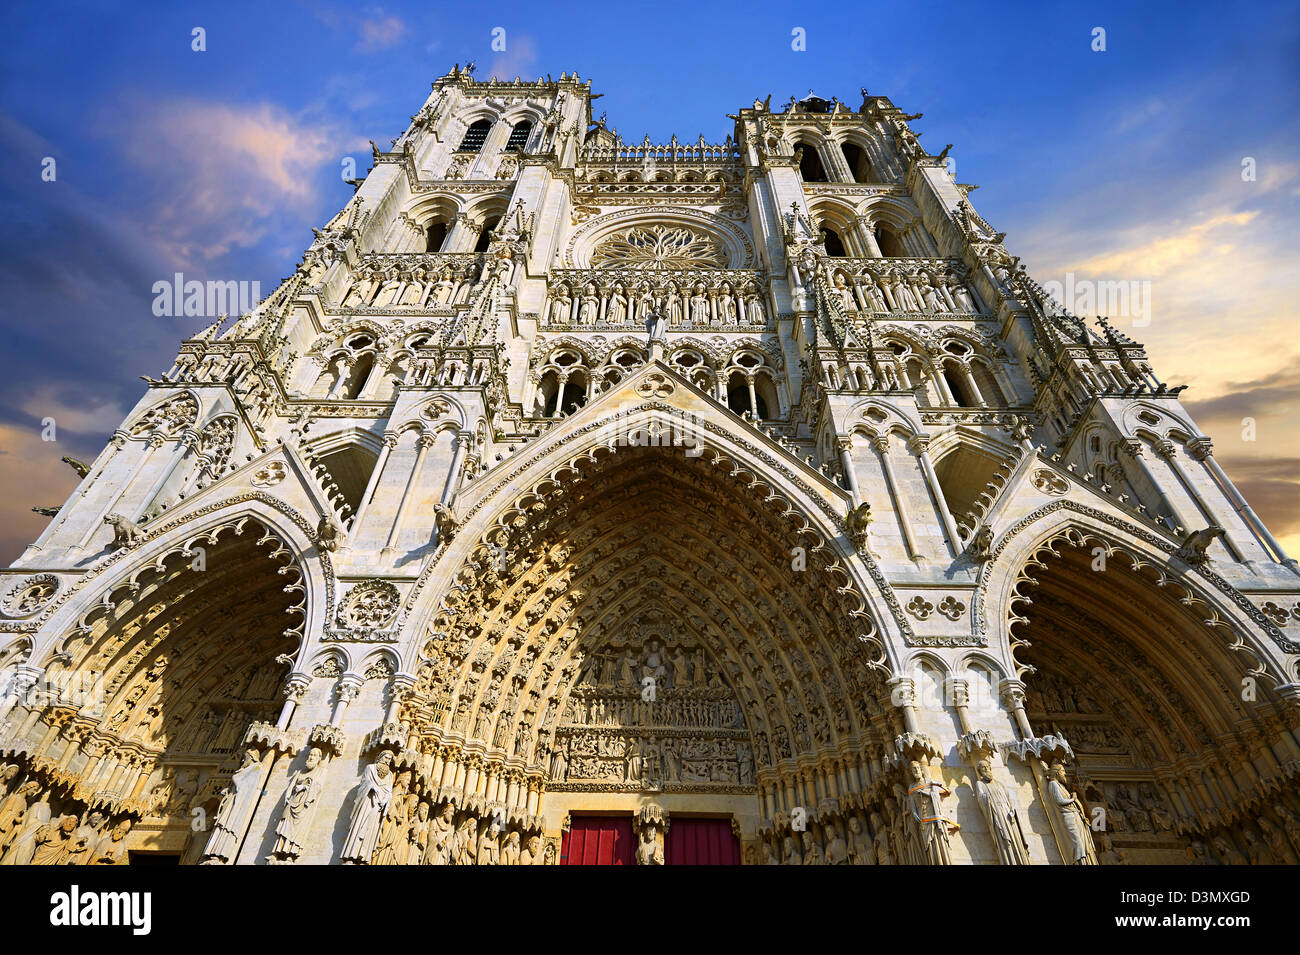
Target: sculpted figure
[
  {"x": 391, "y": 847},
  {"x": 699, "y": 306},
  {"x": 843, "y": 295},
  {"x": 655, "y": 325},
  {"x": 125, "y": 532},
  {"x": 510, "y": 852},
  {"x": 883, "y": 854},
  {"x": 790, "y": 854},
  {"x": 532, "y": 854},
  {"x": 13, "y": 809},
  {"x": 300, "y": 795},
  {"x": 441, "y": 836},
  {"x": 1079, "y": 838},
  {"x": 58, "y": 845},
  {"x": 1000, "y": 812},
  {"x": 9, "y": 771},
  {"x": 589, "y": 310},
  {"x": 463, "y": 844},
  {"x": 648, "y": 851},
  {"x": 561, "y": 306},
  {"x": 1227, "y": 852},
  {"x": 373, "y": 795},
  {"x": 417, "y": 835},
  {"x": 233, "y": 811},
  {"x": 930, "y": 830},
  {"x": 616, "y": 310},
  {"x": 111, "y": 849},
  {"x": 88, "y": 833},
  {"x": 489, "y": 846},
  {"x": 837, "y": 850},
  {"x": 860, "y": 848},
  {"x": 812, "y": 850},
  {"x": 726, "y": 306},
  {"x": 36, "y": 818}
]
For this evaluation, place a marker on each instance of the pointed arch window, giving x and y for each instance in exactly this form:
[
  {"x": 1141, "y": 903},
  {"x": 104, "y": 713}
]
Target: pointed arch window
[
  {"x": 859, "y": 165},
  {"x": 810, "y": 163}
]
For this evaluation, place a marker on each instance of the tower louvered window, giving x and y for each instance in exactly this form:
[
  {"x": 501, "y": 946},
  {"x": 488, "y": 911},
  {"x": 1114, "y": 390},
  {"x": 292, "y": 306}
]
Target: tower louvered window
[
  {"x": 475, "y": 137},
  {"x": 518, "y": 137}
]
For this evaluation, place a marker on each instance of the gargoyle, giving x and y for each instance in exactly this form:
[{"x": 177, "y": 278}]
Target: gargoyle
[
  {"x": 1196, "y": 543},
  {"x": 125, "y": 532},
  {"x": 859, "y": 521},
  {"x": 328, "y": 535}
]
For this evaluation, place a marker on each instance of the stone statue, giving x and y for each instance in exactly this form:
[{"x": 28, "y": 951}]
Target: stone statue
[
  {"x": 373, "y": 796},
  {"x": 125, "y": 532},
  {"x": 1079, "y": 847},
  {"x": 510, "y": 852},
  {"x": 489, "y": 846},
  {"x": 300, "y": 795},
  {"x": 837, "y": 849},
  {"x": 391, "y": 847},
  {"x": 655, "y": 324},
  {"x": 111, "y": 848},
  {"x": 648, "y": 850},
  {"x": 442, "y": 832},
  {"x": 233, "y": 811},
  {"x": 59, "y": 845},
  {"x": 930, "y": 830},
  {"x": 13, "y": 809},
  {"x": 417, "y": 835},
  {"x": 999, "y": 808},
  {"x": 327, "y": 534},
  {"x": 89, "y": 832},
  {"x": 532, "y": 852}
]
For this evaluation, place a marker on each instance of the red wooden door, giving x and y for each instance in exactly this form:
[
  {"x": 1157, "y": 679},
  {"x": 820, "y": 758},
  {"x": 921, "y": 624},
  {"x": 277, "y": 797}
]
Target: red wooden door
[
  {"x": 598, "y": 840},
  {"x": 701, "y": 842}
]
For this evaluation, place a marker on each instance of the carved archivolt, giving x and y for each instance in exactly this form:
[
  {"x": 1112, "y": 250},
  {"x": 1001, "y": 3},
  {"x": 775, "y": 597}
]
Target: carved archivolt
[{"x": 580, "y": 587}]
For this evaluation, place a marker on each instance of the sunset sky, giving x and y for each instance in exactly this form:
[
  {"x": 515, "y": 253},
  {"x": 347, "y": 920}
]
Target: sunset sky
[{"x": 1123, "y": 164}]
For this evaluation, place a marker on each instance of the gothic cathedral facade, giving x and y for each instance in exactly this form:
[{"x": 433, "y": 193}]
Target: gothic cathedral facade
[{"x": 587, "y": 501}]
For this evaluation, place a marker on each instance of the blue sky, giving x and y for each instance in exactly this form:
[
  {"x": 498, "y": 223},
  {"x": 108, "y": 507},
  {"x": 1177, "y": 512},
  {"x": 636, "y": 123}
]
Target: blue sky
[{"x": 1124, "y": 163}]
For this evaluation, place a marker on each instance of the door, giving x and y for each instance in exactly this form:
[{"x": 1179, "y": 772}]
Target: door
[
  {"x": 598, "y": 840},
  {"x": 701, "y": 842}
]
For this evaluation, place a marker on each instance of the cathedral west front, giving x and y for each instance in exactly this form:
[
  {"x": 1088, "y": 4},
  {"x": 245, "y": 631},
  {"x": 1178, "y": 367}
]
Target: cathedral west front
[{"x": 587, "y": 501}]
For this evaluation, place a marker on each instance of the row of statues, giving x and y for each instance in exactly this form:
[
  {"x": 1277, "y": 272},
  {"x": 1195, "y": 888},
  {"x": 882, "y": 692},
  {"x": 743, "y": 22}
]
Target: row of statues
[
  {"x": 698, "y": 305},
  {"x": 391, "y": 824},
  {"x": 413, "y": 288},
  {"x": 940, "y": 294},
  {"x": 31, "y": 833}
]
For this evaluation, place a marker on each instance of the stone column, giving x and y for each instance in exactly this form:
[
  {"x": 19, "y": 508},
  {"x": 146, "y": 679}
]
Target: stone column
[
  {"x": 463, "y": 441},
  {"x": 1133, "y": 448},
  {"x": 920, "y": 446},
  {"x": 845, "y": 447},
  {"x": 1202, "y": 450},
  {"x": 426, "y": 441},
  {"x": 390, "y": 442},
  {"x": 881, "y": 443}
]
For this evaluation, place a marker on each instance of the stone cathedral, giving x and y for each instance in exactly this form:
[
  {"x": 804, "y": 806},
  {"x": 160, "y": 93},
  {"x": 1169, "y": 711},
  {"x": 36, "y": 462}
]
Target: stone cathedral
[{"x": 587, "y": 501}]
